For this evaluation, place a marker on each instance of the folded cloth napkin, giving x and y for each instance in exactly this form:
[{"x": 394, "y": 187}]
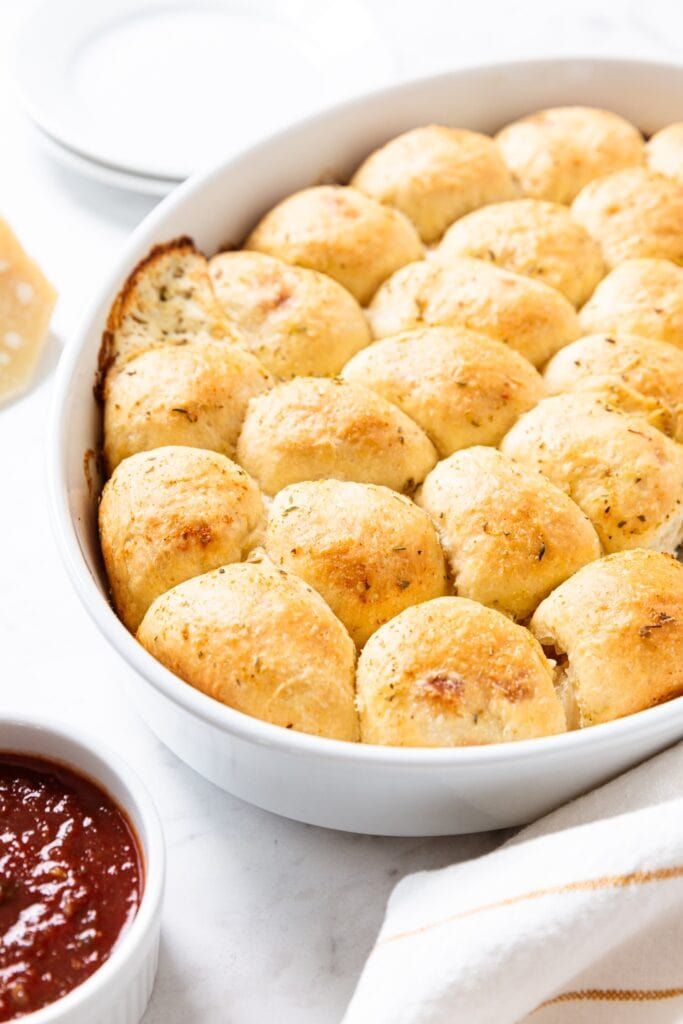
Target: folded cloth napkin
[{"x": 577, "y": 919}]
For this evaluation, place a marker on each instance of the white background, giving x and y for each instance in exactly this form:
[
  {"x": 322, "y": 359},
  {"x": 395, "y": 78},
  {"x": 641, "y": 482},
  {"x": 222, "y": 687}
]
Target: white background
[{"x": 264, "y": 919}]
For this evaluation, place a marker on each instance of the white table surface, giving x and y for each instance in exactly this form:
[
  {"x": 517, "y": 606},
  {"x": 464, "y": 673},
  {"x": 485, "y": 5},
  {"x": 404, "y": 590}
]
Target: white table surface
[{"x": 264, "y": 918}]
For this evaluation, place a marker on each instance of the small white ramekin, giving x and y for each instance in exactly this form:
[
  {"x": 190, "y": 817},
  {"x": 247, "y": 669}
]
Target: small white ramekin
[{"x": 118, "y": 992}]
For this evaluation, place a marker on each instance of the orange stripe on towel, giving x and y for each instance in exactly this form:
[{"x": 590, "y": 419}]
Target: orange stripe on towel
[{"x": 613, "y": 995}]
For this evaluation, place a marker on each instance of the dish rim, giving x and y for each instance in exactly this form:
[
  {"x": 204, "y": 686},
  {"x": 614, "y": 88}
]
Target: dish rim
[
  {"x": 226, "y": 719},
  {"x": 102, "y": 986}
]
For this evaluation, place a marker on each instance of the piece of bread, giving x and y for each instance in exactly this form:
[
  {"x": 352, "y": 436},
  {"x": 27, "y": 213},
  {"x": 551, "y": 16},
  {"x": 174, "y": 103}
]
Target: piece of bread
[
  {"x": 641, "y": 296},
  {"x": 295, "y": 320},
  {"x": 526, "y": 314},
  {"x": 461, "y": 388},
  {"x": 532, "y": 237},
  {"x": 615, "y": 630},
  {"x": 167, "y": 299},
  {"x": 261, "y": 641},
  {"x": 510, "y": 536},
  {"x": 664, "y": 151},
  {"x": 341, "y": 232},
  {"x": 312, "y": 428},
  {"x": 194, "y": 394},
  {"x": 653, "y": 369},
  {"x": 633, "y": 213},
  {"x": 170, "y": 514},
  {"x": 450, "y": 673},
  {"x": 554, "y": 153},
  {"x": 436, "y": 174},
  {"x": 369, "y": 551},
  {"x": 625, "y": 475}
]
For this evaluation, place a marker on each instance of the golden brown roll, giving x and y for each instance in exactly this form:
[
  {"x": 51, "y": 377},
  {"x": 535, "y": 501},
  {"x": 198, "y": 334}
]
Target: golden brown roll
[
  {"x": 664, "y": 151},
  {"x": 625, "y": 475},
  {"x": 435, "y": 174},
  {"x": 311, "y": 428},
  {"x": 462, "y": 388},
  {"x": 641, "y": 297},
  {"x": 532, "y": 237},
  {"x": 527, "y": 315},
  {"x": 341, "y": 232},
  {"x": 450, "y": 673},
  {"x": 194, "y": 394},
  {"x": 167, "y": 299},
  {"x": 510, "y": 536},
  {"x": 616, "y": 632},
  {"x": 554, "y": 153},
  {"x": 295, "y": 320},
  {"x": 368, "y": 551},
  {"x": 633, "y": 213},
  {"x": 170, "y": 514},
  {"x": 653, "y": 369},
  {"x": 262, "y": 642}
]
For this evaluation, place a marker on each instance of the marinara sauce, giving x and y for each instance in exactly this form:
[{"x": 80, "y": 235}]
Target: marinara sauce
[{"x": 71, "y": 879}]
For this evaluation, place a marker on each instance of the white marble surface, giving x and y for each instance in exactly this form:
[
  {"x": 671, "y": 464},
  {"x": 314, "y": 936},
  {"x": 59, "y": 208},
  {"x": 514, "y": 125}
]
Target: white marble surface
[{"x": 264, "y": 918}]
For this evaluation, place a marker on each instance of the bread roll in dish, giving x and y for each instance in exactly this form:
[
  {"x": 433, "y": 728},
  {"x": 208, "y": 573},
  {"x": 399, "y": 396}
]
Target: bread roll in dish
[
  {"x": 615, "y": 630},
  {"x": 633, "y": 213},
  {"x": 641, "y": 297},
  {"x": 664, "y": 151},
  {"x": 554, "y": 153},
  {"x": 510, "y": 536},
  {"x": 462, "y": 388},
  {"x": 312, "y": 428},
  {"x": 262, "y": 642},
  {"x": 296, "y": 321},
  {"x": 532, "y": 237},
  {"x": 368, "y": 551},
  {"x": 170, "y": 514},
  {"x": 341, "y": 232},
  {"x": 194, "y": 394},
  {"x": 450, "y": 673},
  {"x": 625, "y": 475},
  {"x": 653, "y": 369},
  {"x": 167, "y": 299},
  {"x": 436, "y": 174},
  {"x": 527, "y": 315}
]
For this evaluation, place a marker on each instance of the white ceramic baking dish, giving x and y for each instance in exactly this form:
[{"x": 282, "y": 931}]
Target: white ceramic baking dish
[
  {"x": 327, "y": 782},
  {"x": 118, "y": 992}
]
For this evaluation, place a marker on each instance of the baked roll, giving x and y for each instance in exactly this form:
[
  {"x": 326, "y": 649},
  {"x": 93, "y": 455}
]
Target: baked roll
[
  {"x": 642, "y": 296},
  {"x": 625, "y": 475},
  {"x": 554, "y": 153},
  {"x": 311, "y": 428},
  {"x": 664, "y": 151},
  {"x": 633, "y": 213},
  {"x": 653, "y": 369},
  {"x": 615, "y": 630},
  {"x": 341, "y": 232},
  {"x": 294, "y": 320},
  {"x": 532, "y": 237},
  {"x": 509, "y": 535},
  {"x": 194, "y": 394},
  {"x": 262, "y": 642},
  {"x": 526, "y": 314},
  {"x": 450, "y": 673},
  {"x": 461, "y": 388},
  {"x": 170, "y": 514},
  {"x": 436, "y": 174},
  {"x": 167, "y": 299},
  {"x": 368, "y": 551}
]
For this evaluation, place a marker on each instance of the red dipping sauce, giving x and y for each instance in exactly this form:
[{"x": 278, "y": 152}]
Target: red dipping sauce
[{"x": 71, "y": 880}]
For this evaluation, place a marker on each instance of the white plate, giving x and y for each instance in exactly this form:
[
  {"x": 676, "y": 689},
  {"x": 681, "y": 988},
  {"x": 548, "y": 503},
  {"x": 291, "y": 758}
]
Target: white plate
[
  {"x": 162, "y": 87},
  {"x": 357, "y": 787}
]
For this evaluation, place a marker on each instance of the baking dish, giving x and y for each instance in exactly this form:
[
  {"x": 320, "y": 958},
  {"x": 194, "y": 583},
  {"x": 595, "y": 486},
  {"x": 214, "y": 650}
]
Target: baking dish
[{"x": 392, "y": 791}]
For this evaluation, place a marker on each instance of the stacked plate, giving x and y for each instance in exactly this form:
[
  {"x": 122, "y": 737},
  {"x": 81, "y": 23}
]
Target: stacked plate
[{"x": 140, "y": 93}]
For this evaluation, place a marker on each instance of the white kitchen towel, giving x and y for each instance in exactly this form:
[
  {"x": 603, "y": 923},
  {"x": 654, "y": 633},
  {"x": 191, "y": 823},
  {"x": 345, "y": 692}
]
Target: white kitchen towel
[{"x": 578, "y": 919}]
